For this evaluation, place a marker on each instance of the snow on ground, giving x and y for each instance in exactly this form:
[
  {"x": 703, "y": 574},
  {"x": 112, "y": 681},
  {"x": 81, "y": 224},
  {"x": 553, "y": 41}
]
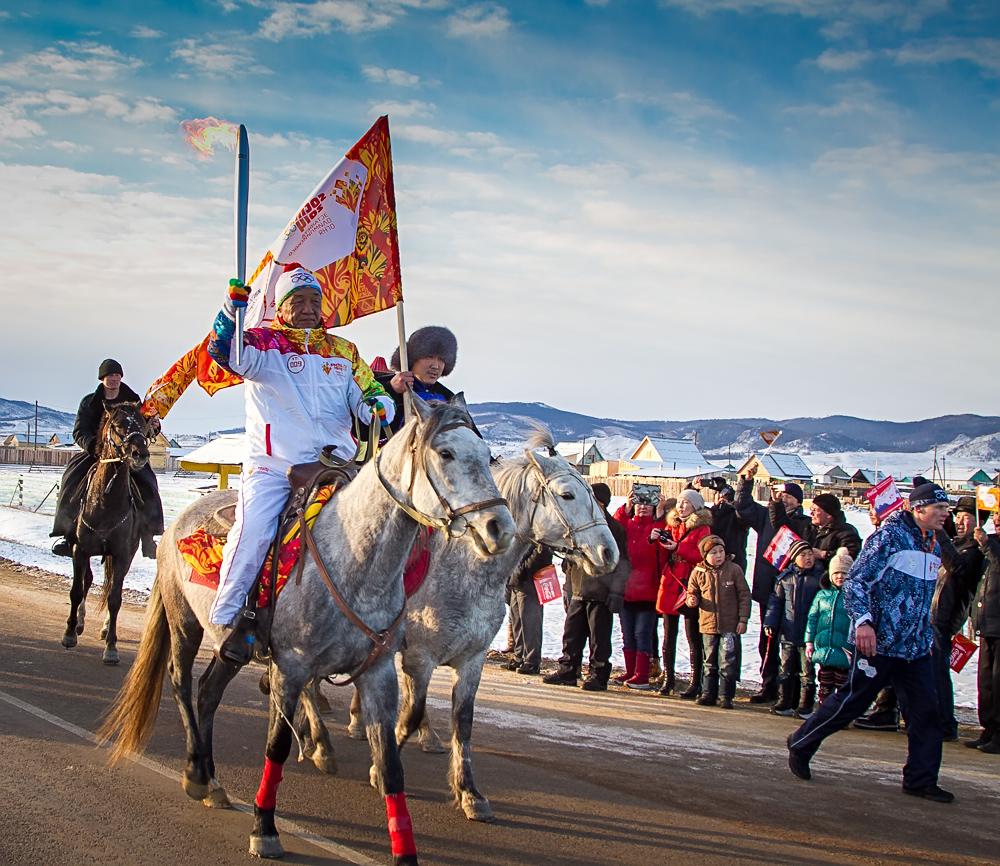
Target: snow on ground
[{"x": 24, "y": 538}]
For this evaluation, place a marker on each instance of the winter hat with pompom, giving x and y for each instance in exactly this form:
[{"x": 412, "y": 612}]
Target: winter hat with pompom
[{"x": 841, "y": 561}]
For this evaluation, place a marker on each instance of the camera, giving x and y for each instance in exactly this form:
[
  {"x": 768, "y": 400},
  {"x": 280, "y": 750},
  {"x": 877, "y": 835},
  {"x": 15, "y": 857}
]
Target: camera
[{"x": 665, "y": 535}]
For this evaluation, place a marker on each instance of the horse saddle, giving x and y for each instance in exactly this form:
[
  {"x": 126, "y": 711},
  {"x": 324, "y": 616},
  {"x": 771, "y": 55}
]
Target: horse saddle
[{"x": 306, "y": 480}]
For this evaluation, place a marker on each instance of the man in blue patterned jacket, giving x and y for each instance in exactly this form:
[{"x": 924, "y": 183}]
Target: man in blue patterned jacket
[{"x": 888, "y": 595}]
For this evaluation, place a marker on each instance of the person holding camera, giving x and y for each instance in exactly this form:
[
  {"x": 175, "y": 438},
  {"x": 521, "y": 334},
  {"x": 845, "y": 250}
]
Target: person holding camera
[
  {"x": 687, "y": 523},
  {"x": 638, "y": 614}
]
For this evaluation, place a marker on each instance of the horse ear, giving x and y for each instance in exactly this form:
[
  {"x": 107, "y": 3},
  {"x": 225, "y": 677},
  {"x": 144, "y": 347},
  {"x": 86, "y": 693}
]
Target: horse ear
[
  {"x": 421, "y": 408},
  {"x": 459, "y": 400},
  {"x": 533, "y": 457}
]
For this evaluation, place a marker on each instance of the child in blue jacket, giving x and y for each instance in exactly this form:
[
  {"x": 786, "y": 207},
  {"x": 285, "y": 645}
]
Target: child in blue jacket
[
  {"x": 829, "y": 627},
  {"x": 786, "y": 618}
]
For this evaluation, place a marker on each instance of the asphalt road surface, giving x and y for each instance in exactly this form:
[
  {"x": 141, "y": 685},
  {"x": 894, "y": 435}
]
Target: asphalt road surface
[{"x": 573, "y": 777}]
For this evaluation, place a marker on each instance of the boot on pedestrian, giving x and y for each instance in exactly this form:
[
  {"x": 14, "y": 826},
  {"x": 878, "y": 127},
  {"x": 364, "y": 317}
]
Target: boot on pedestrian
[
  {"x": 640, "y": 679},
  {"x": 629, "y": 667}
]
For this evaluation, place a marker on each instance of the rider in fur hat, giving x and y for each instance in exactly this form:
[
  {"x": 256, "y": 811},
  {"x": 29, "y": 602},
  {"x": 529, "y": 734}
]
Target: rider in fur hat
[{"x": 431, "y": 352}]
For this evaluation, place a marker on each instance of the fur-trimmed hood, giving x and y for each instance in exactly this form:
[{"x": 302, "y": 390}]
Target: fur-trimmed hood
[
  {"x": 701, "y": 517},
  {"x": 424, "y": 342}
]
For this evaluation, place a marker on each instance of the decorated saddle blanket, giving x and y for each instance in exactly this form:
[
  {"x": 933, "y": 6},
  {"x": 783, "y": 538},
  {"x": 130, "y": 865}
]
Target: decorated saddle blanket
[{"x": 202, "y": 550}]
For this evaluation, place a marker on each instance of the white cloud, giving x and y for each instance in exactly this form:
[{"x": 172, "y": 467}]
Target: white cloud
[
  {"x": 413, "y": 108},
  {"x": 70, "y": 146},
  {"x": 141, "y": 31},
  {"x": 427, "y": 135},
  {"x": 80, "y": 61},
  {"x": 856, "y": 97},
  {"x": 290, "y": 20},
  {"x": 982, "y": 52},
  {"x": 479, "y": 20},
  {"x": 216, "y": 58},
  {"x": 398, "y": 77},
  {"x": 144, "y": 110},
  {"x": 688, "y": 109},
  {"x": 842, "y": 61},
  {"x": 15, "y": 125},
  {"x": 909, "y": 14}
]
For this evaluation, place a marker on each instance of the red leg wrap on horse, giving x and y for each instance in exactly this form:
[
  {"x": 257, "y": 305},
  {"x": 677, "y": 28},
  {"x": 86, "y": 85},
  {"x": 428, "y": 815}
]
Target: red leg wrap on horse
[
  {"x": 267, "y": 793},
  {"x": 400, "y": 829}
]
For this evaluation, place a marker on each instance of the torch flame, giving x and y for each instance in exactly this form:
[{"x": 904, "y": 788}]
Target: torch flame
[{"x": 204, "y": 133}]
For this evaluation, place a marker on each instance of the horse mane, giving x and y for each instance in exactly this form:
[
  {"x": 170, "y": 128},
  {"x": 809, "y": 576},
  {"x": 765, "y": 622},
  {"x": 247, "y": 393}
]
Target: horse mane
[
  {"x": 513, "y": 476},
  {"x": 541, "y": 437}
]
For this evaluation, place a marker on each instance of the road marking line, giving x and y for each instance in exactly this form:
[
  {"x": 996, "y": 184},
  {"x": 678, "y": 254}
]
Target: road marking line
[{"x": 285, "y": 826}]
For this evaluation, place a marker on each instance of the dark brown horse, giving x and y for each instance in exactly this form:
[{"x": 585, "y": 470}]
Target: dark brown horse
[{"x": 108, "y": 524}]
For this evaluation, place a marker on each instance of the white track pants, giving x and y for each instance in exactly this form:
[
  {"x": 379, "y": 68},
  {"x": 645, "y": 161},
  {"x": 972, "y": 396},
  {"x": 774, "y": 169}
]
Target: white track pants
[{"x": 263, "y": 493}]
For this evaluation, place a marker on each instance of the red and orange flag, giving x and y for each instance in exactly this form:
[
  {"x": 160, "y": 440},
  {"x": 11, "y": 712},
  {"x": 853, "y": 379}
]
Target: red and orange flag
[{"x": 345, "y": 233}]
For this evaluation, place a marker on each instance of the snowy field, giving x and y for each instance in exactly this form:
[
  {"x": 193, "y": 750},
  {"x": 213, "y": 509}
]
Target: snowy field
[{"x": 24, "y": 538}]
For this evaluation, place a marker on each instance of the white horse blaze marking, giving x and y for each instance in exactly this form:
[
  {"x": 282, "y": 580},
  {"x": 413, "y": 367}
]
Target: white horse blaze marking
[{"x": 283, "y": 825}]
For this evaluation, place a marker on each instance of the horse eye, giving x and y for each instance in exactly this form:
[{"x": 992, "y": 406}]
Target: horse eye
[
  {"x": 447, "y": 455},
  {"x": 567, "y": 496}
]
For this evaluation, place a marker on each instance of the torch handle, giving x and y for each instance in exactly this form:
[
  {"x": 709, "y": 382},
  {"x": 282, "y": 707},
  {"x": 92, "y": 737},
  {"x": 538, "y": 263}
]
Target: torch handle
[{"x": 242, "y": 201}]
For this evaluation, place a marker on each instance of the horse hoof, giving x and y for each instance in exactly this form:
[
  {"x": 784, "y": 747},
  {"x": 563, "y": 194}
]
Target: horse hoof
[
  {"x": 356, "y": 732},
  {"x": 433, "y": 747},
  {"x": 111, "y": 656},
  {"x": 264, "y": 683},
  {"x": 268, "y": 847},
  {"x": 478, "y": 810},
  {"x": 196, "y": 790},
  {"x": 325, "y": 762},
  {"x": 69, "y": 640},
  {"x": 322, "y": 704},
  {"x": 218, "y": 799}
]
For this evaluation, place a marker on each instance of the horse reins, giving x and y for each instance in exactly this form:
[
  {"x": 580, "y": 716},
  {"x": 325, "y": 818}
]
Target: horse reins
[
  {"x": 451, "y": 514},
  {"x": 382, "y": 641}
]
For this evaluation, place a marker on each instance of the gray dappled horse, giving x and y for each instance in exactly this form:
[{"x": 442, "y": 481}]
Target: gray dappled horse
[
  {"x": 435, "y": 467},
  {"x": 458, "y": 610},
  {"x": 108, "y": 522}
]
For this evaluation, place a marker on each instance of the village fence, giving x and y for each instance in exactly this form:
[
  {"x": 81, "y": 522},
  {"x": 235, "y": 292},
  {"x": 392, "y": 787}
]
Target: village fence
[
  {"x": 620, "y": 485},
  {"x": 36, "y": 456}
]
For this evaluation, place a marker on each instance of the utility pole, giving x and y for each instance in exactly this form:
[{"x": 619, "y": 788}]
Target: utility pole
[{"x": 36, "y": 423}]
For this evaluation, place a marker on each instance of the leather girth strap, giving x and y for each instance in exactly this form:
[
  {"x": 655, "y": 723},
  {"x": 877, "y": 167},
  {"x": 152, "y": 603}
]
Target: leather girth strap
[{"x": 382, "y": 641}]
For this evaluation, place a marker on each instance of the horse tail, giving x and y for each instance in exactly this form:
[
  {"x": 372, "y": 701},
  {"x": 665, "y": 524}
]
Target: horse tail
[
  {"x": 109, "y": 580},
  {"x": 132, "y": 715}
]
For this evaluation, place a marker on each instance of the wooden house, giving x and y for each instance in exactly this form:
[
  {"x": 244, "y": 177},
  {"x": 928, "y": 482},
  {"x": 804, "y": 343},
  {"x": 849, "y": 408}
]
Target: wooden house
[{"x": 581, "y": 455}]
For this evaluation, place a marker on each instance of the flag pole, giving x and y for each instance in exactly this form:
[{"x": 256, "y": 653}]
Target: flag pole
[
  {"x": 404, "y": 362},
  {"x": 242, "y": 200}
]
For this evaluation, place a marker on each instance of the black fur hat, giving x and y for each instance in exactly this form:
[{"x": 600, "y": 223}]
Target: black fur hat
[{"x": 424, "y": 342}]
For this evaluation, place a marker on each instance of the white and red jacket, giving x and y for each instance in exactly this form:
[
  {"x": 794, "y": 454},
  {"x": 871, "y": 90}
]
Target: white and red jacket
[{"x": 302, "y": 388}]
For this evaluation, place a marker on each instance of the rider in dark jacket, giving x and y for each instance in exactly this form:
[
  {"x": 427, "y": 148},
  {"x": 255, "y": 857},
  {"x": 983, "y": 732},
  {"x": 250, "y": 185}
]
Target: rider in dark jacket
[{"x": 74, "y": 481}]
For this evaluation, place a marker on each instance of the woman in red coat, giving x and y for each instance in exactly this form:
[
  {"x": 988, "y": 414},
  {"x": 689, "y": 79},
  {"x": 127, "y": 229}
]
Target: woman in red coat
[
  {"x": 687, "y": 524},
  {"x": 638, "y": 614}
]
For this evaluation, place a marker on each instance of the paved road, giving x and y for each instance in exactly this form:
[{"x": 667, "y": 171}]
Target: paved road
[{"x": 573, "y": 777}]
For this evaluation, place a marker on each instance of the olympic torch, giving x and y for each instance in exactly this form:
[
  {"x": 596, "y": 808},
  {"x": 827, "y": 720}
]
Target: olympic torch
[{"x": 242, "y": 199}]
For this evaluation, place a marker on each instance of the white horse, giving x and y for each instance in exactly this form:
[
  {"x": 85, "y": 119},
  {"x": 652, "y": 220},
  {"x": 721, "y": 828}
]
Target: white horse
[
  {"x": 454, "y": 616},
  {"x": 435, "y": 471}
]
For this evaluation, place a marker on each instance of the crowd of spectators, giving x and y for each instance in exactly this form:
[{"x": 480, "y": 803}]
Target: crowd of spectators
[{"x": 843, "y": 624}]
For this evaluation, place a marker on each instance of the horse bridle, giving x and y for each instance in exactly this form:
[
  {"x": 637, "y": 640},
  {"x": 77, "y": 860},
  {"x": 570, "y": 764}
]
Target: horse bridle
[
  {"x": 133, "y": 430},
  {"x": 571, "y": 531},
  {"x": 451, "y": 514}
]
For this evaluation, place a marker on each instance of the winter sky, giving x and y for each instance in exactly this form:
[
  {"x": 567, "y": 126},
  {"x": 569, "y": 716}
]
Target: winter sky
[{"x": 627, "y": 208}]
